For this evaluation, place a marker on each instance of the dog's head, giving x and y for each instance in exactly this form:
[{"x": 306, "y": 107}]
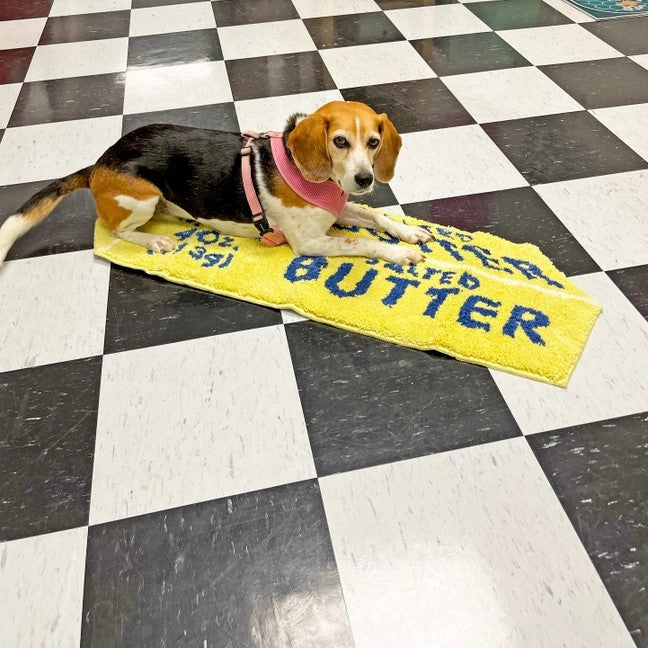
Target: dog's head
[{"x": 347, "y": 142}]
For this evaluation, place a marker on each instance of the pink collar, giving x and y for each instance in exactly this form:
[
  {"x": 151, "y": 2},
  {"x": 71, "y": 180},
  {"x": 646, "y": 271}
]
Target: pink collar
[{"x": 326, "y": 195}]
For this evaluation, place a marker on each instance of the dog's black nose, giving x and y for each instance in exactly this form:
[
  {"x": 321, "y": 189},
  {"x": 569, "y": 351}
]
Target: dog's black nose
[{"x": 364, "y": 179}]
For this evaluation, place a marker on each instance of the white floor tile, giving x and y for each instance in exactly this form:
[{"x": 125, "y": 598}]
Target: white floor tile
[
  {"x": 197, "y": 420},
  {"x": 41, "y": 589},
  {"x": 642, "y": 59},
  {"x": 21, "y": 33},
  {"x": 607, "y": 214},
  {"x": 610, "y": 380},
  {"x": 393, "y": 209},
  {"x": 433, "y": 21},
  {"x": 265, "y": 39},
  {"x": 317, "y": 8},
  {"x": 176, "y": 86},
  {"x": 509, "y": 94},
  {"x": 569, "y": 10},
  {"x": 558, "y": 44},
  {"x": 272, "y": 113},
  {"x": 372, "y": 64},
  {"x": 64, "y": 60},
  {"x": 46, "y": 151},
  {"x": 53, "y": 308},
  {"x": 629, "y": 123},
  {"x": 8, "y": 94},
  {"x": 172, "y": 18},
  {"x": 464, "y": 549},
  {"x": 451, "y": 162},
  {"x": 290, "y": 317},
  {"x": 73, "y": 7}
]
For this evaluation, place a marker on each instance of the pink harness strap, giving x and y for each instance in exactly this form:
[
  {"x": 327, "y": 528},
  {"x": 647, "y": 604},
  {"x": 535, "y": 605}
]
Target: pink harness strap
[
  {"x": 270, "y": 236},
  {"x": 326, "y": 195}
]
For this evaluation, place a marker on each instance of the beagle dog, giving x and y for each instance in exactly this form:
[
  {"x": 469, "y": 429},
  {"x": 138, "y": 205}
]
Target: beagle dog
[{"x": 302, "y": 177}]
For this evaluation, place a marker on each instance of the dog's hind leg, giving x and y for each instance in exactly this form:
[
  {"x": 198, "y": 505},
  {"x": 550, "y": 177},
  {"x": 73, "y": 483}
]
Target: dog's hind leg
[
  {"x": 127, "y": 203},
  {"x": 141, "y": 212}
]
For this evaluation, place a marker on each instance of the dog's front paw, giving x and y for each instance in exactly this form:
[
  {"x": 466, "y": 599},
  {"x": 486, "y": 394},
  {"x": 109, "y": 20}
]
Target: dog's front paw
[
  {"x": 413, "y": 234},
  {"x": 160, "y": 244},
  {"x": 406, "y": 256}
]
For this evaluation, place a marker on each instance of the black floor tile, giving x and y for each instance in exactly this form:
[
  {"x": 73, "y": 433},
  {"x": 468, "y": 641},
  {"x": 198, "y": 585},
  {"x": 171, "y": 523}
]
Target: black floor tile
[
  {"x": 368, "y": 402},
  {"x": 467, "y": 53},
  {"x": 17, "y": 9},
  {"x": 165, "y": 312},
  {"x": 217, "y": 116},
  {"x": 633, "y": 283},
  {"x": 48, "y": 419},
  {"x": 413, "y": 105},
  {"x": 352, "y": 29},
  {"x": 282, "y": 74},
  {"x": 84, "y": 27},
  {"x": 504, "y": 14},
  {"x": 599, "y": 84},
  {"x": 98, "y": 95},
  {"x": 69, "y": 228},
  {"x": 171, "y": 49},
  {"x": 14, "y": 64},
  {"x": 234, "y": 12},
  {"x": 600, "y": 474},
  {"x": 385, "y": 5},
  {"x": 251, "y": 570},
  {"x": 629, "y": 35},
  {"x": 381, "y": 196},
  {"x": 518, "y": 215},
  {"x": 562, "y": 147}
]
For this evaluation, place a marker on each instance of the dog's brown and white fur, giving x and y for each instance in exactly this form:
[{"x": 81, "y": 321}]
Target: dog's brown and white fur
[{"x": 171, "y": 171}]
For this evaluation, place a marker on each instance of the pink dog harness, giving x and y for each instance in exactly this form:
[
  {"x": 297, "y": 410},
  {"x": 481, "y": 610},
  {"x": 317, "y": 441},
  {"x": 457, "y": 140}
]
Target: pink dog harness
[{"x": 326, "y": 195}]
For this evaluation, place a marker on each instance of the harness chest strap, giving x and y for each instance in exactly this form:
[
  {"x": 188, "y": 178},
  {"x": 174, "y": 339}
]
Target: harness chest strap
[{"x": 270, "y": 236}]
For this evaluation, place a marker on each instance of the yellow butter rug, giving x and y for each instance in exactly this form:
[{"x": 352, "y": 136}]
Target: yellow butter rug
[{"x": 476, "y": 297}]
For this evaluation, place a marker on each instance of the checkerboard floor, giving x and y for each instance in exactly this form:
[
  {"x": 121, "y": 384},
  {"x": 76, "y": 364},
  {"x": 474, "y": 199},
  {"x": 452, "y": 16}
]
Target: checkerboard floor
[{"x": 181, "y": 469}]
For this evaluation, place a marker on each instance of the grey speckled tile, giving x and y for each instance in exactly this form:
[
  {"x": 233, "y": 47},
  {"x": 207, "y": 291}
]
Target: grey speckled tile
[
  {"x": 255, "y": 571},
  {"x": 145, "y": 311},
  {"x": 48, "y": 418},
  {"x": 464, "y": 549},
  {"x": 600, "y": 473},
  {"x": 52, "y": 309},
  {"x": 553, "y": 148},
  {"x": 41, "y": 588},
  {"x": 69, "y": 228},
  {"x": 368, "y": 402},
  {"x": 633, "y": 283},
  {"x": 196, "y": 420}
]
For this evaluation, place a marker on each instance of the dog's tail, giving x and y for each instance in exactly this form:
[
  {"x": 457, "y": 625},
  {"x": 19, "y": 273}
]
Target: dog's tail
[{"x": 38, "y": 207}]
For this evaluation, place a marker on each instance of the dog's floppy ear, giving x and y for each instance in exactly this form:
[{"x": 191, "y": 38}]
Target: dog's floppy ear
[
  {"x": 307, "y": 143},
  {"x": 385, "y": 159}
]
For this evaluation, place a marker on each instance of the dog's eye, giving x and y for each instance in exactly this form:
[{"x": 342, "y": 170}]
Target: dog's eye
[
  {"x": 373, "y": 143},
  {"x": 340, "y": 141}
]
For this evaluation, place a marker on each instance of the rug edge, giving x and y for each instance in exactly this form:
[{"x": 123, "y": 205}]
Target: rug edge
[{"x": 562, "y": 382}]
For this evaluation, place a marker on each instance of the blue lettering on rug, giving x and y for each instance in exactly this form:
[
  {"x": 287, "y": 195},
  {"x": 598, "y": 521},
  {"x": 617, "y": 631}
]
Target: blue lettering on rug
[
  {"x": 517, "y": 319},
  {"x": 400, "y": 286},
  {"x": 470, "y": 306},
  {"x": 439, "y": 295},
  {"x": 361, "y": 287}
]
